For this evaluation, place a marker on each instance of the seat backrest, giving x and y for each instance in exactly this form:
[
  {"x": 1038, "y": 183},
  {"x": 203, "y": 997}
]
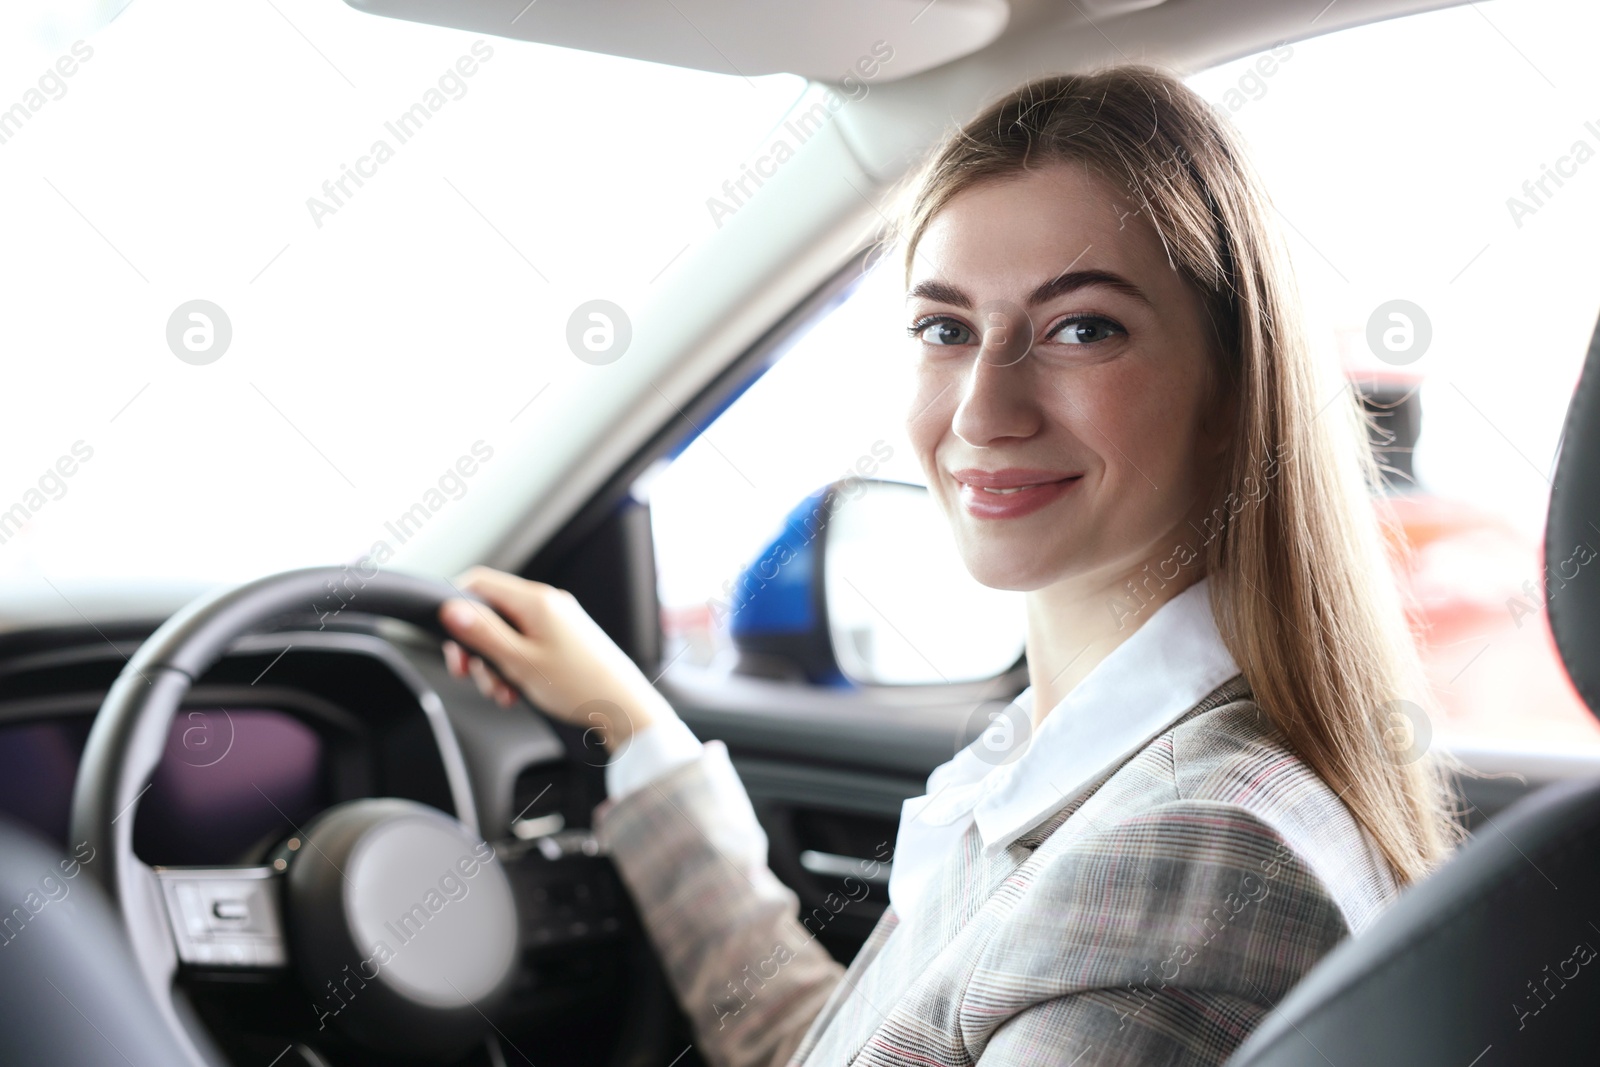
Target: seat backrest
[
  {"x": 1495, "y": 958},
  {"x": 70, "y": 992}
]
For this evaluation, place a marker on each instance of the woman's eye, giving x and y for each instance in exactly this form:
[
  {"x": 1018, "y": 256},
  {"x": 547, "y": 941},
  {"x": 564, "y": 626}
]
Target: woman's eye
[
  {"x": 941, "y": 332},
  {"x": 1085, "y": 331}
]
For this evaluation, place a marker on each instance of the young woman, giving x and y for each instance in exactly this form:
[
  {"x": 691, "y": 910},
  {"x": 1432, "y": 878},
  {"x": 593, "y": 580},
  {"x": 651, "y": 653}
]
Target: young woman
[{"x": 1118, "y": 413}]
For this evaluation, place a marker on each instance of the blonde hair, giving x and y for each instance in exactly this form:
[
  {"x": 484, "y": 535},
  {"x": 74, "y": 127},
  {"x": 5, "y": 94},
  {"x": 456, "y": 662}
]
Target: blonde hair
[{"x": 1300, "y": 583}]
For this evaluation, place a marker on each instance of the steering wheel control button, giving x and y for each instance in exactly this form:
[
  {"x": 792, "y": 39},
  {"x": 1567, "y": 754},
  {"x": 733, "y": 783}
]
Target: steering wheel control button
[
  {"x": 224, "y": 917},
  {"x": 230, "y": 910},
  {"x": 404, "y": 926}
]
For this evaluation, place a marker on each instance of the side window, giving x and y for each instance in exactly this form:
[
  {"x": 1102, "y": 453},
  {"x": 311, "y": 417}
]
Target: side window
[
  {"x": 1438, "y": 180},
  {"x": 832, "y": 407},
  {"x": 1438, "y": 218}
]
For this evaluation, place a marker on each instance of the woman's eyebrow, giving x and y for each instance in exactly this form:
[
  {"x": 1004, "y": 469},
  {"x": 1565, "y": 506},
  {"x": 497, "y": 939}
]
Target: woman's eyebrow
[{"x": 1061, "y": 284}]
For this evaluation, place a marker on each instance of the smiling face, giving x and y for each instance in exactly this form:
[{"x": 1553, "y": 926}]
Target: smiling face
[{"x": 1061, "y": 378}]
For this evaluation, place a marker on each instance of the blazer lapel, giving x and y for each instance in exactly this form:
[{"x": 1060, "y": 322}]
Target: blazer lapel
[{"x": 966, "y": 882}]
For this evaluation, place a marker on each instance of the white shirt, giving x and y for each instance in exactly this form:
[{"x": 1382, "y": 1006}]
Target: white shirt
[{"x": 1014, "y": 777}]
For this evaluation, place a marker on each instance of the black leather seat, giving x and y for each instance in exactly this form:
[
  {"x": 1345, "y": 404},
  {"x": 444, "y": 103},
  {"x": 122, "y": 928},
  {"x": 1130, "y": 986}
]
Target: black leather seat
[
  {"x": 1495, "y": 959},
  {"x": 70, "y": 992}
]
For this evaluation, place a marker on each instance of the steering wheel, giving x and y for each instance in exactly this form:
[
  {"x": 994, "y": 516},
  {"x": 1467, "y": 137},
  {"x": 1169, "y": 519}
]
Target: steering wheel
[{"x": 395, "y": 908}]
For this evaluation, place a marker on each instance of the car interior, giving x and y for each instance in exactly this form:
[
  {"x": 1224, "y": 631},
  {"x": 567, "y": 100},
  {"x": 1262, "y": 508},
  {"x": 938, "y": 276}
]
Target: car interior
[{"x": 208, "y": 725}]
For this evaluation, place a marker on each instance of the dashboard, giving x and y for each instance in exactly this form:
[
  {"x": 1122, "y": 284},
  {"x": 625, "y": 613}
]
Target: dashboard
[
  {"x": 232, "y": 781},
  {"x": 283, "y": 727},
  {"x": 295, "y": 721}
]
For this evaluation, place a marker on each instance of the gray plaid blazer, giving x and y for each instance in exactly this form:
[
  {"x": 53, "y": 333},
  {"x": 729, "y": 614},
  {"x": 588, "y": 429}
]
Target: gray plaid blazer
[{"x": 1154, "y": 920}]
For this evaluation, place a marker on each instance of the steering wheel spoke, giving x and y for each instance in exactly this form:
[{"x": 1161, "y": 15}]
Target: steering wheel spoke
[{"x": 225, "y": 917}]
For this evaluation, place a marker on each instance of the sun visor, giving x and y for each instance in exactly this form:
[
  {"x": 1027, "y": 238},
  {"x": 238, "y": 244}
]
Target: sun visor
[{"x": 825, "y": 40}]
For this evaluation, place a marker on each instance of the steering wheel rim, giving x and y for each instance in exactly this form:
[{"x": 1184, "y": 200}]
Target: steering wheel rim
[{"x": 129, "y": 736}]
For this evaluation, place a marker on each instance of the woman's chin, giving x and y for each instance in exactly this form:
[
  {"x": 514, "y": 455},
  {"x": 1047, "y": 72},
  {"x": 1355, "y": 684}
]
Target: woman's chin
[{"x": 997, "y": 573}]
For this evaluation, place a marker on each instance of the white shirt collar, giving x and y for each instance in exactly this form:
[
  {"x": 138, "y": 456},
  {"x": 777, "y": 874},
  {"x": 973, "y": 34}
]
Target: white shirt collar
[{"x": 1143, "y": 686}]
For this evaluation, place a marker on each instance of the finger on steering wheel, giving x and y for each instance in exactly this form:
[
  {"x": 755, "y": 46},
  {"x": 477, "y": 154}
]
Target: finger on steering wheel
[
  {"x": 462, "y": 664},
  {"x": 490, "y": 685}
]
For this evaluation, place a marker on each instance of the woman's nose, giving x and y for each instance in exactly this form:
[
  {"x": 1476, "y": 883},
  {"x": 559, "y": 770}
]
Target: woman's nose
[
  {"x": 1005, "y": 333},
  {"x": 999, "y": 396}
]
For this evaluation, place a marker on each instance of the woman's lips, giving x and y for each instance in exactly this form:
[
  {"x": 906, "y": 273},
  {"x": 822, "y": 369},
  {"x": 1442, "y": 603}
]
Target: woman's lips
[{"x": 1011, "y": 493}]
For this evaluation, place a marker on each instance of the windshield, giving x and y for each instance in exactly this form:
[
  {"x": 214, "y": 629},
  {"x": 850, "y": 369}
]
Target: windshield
[{"x": 284, "y": 280}]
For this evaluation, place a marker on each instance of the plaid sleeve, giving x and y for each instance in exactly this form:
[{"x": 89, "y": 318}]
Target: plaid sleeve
[
  {"x": 749, "y": 976},
  {"x": 1085, "y": 1030},
  {"x": 1161, "y": 939}
]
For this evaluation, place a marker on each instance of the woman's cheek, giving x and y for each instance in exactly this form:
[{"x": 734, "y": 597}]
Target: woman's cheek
[
  {"x": 928, "y": 417},
  {"x": 1152, "y": 420},
  {"x": 1116, "y": 418}
]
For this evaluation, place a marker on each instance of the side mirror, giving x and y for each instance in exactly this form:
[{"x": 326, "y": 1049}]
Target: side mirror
[{"x": 864, "y": 586}]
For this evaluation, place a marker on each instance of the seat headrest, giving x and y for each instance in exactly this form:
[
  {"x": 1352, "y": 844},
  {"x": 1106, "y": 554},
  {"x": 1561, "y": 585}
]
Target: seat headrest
[{"x": 1572, "y": 536}]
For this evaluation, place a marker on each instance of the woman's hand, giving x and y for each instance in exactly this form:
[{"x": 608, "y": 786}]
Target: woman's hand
[{"x": 548, "y": 647}]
